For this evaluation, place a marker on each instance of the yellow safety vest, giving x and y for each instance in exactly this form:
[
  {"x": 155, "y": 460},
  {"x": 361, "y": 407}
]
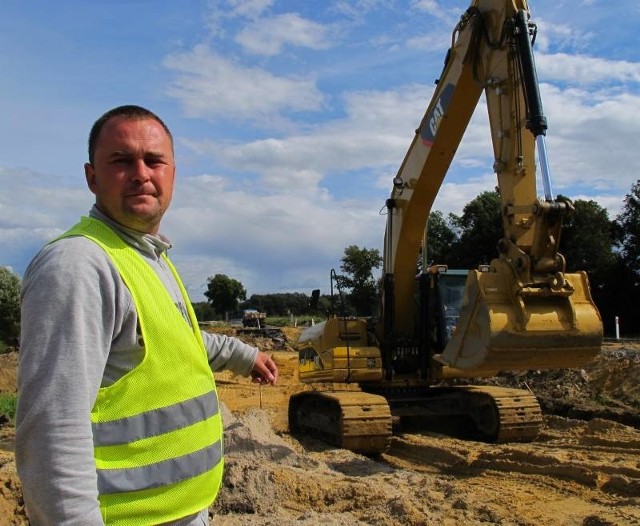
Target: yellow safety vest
[{"x": 157, "y": 431}]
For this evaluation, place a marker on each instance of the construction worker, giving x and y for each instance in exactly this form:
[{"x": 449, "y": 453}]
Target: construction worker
[{"x": 118, "y": 420}]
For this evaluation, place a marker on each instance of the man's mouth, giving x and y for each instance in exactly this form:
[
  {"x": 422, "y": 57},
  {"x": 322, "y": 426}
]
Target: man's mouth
[{"x": 141, "y": 194}]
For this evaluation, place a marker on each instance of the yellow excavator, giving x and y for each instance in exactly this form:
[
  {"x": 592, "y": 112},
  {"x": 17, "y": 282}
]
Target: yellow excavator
[{"x": 440, "y": 328}]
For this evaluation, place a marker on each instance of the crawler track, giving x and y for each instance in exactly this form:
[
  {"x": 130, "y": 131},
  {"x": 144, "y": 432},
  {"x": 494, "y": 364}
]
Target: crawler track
[
  {"x": 513, "y": 415},
  {"x": 351, "y": 420},
  {"x": 486, "y": 413},
  {"x": 362, "y": 422}
]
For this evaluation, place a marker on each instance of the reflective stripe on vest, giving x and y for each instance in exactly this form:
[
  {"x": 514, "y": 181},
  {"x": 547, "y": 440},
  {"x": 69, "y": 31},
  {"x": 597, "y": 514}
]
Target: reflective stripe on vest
[
  {"x": 155, "y": 422},
  {"x": 161, "y": 473}
]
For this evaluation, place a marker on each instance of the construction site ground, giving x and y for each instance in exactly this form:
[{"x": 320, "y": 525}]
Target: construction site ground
[{"x": 583, "y": 469}]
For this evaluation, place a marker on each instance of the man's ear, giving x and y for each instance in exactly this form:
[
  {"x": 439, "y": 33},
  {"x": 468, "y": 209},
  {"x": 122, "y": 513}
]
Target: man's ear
[{"x": 90, "y": 176}]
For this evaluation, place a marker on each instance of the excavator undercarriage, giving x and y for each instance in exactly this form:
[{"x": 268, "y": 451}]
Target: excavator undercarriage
[{"x": 363, "y": 422}]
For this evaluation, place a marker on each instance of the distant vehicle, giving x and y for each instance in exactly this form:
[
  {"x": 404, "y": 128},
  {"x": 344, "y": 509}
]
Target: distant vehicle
[{"x": 253, "y": 318}]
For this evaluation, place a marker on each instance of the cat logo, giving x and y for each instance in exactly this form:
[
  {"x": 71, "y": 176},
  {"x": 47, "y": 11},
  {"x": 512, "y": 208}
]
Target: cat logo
[{"x": 434, "y": 117}]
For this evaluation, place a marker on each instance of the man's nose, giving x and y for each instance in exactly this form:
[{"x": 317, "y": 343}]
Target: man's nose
[{"x": 140, "y": 172}]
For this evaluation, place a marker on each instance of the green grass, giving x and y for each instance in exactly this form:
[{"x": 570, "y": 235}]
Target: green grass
[{"x": 8, "y": 403}]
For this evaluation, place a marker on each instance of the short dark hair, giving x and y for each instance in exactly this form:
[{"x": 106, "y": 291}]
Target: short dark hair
[{"x": 129, "y": 111}]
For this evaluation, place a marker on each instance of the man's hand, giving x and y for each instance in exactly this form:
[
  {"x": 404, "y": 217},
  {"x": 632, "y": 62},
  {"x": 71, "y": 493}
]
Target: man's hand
[{"x": 264, "y": 370}]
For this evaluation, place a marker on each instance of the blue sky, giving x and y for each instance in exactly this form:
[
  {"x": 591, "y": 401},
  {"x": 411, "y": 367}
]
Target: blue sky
[{"x": 290, "y": 117}]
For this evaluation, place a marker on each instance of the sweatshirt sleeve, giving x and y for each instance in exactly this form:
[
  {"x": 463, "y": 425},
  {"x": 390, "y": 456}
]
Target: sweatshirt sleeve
[
  {"x": 69, "y": 316},
  {"x": 226, "y": 352}
]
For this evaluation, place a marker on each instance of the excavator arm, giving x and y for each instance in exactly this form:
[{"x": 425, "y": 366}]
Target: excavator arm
[{"x": 526, "y": 312}]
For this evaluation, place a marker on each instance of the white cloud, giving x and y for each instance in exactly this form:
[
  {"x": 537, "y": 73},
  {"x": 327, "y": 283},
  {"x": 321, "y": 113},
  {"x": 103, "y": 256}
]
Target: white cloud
[
  {"x": 34, "y": 209},
  {"x": 220, "y": 12},
  {"x": 558, "y": 36},
  {"x": 267, "y": 36},
  {"x": 585, "y": 70},
  {"x": 592, "y": 138},
  {"x": 34, "y": 200},
  {"x": 375, "y": 133},
  {"x": 435, "y": 9},
  {"x": 249, "y": 8},
  {"x": 429, "y": 42},
  {"x": 378, "y": 128},
  {"x": 453, "y": 197},
  {"x": 208, "y": 85},
  {"x": 282, "y": 240},
  {"x": 357, "y": 9}
]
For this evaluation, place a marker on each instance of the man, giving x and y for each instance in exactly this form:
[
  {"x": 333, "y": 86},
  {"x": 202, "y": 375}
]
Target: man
[{"x": 118, "y": 419}]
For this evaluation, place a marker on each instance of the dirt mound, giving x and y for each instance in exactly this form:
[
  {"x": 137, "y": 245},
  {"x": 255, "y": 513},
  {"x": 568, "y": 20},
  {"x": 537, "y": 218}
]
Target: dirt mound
[{"x": 575, "y": 473}]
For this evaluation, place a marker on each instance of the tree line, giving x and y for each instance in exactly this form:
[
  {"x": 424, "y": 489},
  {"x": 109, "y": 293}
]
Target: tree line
[{"x": 607, "y": 249}]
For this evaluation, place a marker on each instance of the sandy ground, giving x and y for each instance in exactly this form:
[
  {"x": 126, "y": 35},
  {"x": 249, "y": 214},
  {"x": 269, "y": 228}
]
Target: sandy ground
[{"x": 584, "y": 468}]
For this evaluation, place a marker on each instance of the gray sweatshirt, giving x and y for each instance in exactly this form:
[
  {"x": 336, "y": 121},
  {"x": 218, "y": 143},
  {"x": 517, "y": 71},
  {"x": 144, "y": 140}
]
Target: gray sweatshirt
[{"x": 80, "y": 332}]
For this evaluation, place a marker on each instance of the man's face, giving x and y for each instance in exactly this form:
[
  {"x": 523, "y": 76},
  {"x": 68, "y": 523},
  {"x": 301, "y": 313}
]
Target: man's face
[{"x": 132, "y": 172}]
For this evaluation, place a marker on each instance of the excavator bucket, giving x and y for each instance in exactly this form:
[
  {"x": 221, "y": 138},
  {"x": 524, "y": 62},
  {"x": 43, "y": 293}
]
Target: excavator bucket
[{"x": 535, "y": 328}]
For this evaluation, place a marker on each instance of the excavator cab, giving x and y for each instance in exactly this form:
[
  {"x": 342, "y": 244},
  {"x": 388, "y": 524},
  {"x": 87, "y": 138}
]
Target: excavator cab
[
  {"x": 442, "y": 302},
  {"x": 451, "y": 287}
]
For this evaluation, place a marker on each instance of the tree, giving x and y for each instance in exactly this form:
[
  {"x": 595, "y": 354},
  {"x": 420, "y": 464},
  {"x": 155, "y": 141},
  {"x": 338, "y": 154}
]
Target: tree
[
  {"x": 480, "y": 229},
  {"x": 224, "y": 293},
  {"x": 9, "y": 306},
  {"x": 204, "y": 311},
  {"x": 440, "y": 238},
  {"x": 358, "y": 264},
  {"x": 282, "y": 304},
  {"x": 625, "y": 287},
  {"x": 628, "y": 229},
  {"x": 587, "y": 239},
  {"x": 587, "y": 243}
]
